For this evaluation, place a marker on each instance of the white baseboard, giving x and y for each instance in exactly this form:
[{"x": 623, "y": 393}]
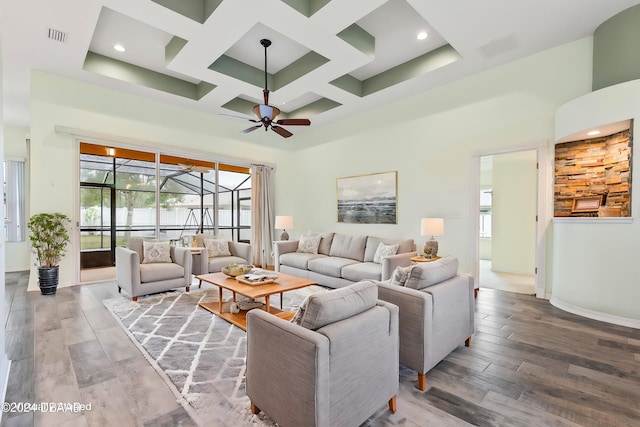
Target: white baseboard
[{"x": 595, "y": 315}]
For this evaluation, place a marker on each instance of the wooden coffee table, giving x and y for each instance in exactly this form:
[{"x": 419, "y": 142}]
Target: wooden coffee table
[{"x": 283, "y": 284}]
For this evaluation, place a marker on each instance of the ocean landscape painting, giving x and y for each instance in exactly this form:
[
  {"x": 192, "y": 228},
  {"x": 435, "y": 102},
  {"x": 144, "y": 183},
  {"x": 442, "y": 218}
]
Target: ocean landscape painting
[{"x": 368, "y": 199}]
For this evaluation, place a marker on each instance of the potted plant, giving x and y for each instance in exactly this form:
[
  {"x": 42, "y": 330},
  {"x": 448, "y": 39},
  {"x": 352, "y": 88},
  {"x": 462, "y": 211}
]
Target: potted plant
[{"x": 49, "y": 236}]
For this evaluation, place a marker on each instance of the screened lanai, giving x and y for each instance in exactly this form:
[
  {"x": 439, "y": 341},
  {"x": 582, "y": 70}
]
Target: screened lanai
[{"x": 127, "y": 193}]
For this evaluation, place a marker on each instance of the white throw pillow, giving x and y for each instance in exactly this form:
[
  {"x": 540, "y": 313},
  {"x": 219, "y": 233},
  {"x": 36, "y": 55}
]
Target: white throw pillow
[
  {"x": 217, "y": 247},
  {"x": 154, "y": 252},
  {"x": 384, "y": 251},
  {"x": 401, "y": 275},
  {"x": 309, "y": 244}
]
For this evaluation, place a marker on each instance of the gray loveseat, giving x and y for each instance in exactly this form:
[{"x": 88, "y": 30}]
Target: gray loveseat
[
  {"x": 437, "y": 310},
  {"x": 341, "y": 259}
]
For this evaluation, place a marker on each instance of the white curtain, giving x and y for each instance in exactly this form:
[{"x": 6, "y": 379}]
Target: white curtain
[{"x": 262, "y": 214}]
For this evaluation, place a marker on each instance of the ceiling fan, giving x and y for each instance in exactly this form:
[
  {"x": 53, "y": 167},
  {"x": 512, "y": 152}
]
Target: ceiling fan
[
  {"x": 266, "y": 113},
  {"x": 190, "y": 167}
]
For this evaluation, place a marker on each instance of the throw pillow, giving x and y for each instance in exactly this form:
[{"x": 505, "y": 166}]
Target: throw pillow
[
  {"x": 216, "y": 247},
  {"x": 309, "y": 244},
  {"x": 154, "y": 252},
  {"x": 400, "y": 275},
  {"x": 384, "y": 251}
]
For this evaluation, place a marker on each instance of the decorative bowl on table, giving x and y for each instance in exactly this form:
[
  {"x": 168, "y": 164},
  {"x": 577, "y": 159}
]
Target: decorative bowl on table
[{"x": 234, "y": 270}]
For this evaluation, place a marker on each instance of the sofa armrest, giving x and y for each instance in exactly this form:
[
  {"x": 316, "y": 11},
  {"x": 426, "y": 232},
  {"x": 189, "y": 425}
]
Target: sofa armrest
[
  {"x": 127, "y": 269},
  {"x": 298, "y": 361},
  {"x": 390, "y": 263},
  {"x": 282, "y": 247},
  {"x": 242, "y": 250},
  {"x": 182, "y": 257}
]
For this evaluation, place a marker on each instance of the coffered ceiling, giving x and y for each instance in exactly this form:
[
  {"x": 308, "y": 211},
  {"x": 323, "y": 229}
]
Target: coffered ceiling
[{"x": 329, "y": 59}]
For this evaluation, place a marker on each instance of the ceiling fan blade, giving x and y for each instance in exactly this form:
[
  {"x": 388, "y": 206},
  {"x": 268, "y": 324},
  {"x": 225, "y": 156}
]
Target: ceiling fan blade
[
  {"x": 229, "y": 116},
  {"x": 281, "y": 131},
  {"x": 294, "y": 122},
  {"x": 251, "y": 129}
]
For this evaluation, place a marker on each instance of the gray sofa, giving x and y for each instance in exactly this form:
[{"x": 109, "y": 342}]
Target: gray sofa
[
  {"x": 138, "y": 278},
  {"x": 337, "y": 367},
  {"x": 437, "y": 310},
  {"x": 341, "y": 259}
]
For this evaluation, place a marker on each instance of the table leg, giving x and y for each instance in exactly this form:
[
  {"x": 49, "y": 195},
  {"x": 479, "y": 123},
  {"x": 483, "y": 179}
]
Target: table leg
[
  {"x": 220, "y": 298},
  {"x": 280, "y": 300},
  {"x": 266, "y": 301},
  {"x": 234, "y": 297}
]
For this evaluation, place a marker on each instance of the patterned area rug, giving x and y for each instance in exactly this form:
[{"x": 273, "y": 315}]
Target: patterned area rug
[{"x": 199, "y": 355}]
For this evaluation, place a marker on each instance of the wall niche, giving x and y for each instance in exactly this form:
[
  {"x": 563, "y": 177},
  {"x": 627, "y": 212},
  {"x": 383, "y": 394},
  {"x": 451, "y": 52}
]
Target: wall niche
[{"x": 593, "y": 176}]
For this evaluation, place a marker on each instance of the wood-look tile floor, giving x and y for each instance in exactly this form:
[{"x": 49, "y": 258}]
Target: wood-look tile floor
[{"x": 529, "y": 364}]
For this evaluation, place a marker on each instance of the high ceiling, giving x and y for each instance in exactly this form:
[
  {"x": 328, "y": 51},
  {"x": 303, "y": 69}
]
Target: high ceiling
[{"x": 329, "y": 59}]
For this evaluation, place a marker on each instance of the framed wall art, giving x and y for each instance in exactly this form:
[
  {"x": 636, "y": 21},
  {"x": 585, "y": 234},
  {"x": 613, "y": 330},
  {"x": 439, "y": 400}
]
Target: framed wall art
[{"x": 368, "y": 199}]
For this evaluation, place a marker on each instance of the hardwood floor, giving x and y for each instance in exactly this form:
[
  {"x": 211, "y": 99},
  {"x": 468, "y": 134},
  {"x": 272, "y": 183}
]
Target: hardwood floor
[{"x": 529, "y": 364}]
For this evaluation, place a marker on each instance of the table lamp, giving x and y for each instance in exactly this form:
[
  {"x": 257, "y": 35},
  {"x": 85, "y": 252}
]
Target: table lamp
[
  {"x": 282, "y": 223},
  {"x": 431, "y": 227}
]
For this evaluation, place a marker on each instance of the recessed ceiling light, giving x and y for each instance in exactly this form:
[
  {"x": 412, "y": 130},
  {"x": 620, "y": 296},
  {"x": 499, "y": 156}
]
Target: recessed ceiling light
[
  {"x": 593, "y": 132},
  {"x": 422, "y": 35},
  {"x": 119, "y": 47}
]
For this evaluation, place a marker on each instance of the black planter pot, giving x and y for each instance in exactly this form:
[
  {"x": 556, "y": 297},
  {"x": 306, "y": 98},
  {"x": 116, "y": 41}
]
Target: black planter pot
[{"x": 48, "y": 280}]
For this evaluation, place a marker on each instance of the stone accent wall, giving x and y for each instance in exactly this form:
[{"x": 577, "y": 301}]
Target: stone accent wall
[{"x": 593, "y": 167}]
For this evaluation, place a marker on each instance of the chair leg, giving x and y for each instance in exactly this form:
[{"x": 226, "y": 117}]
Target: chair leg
[
  {"x": 134, "y": 298},
  {"x": 254, "y": 409},
  {"x": 422, "y": 382},
  {"x": 467, "y": 342},
  {"x": 392, "y": 404},
  {"x": 188, "y": 287},
  {"x": 119, "y": 290},
  {"x": 200, "y": 284},
  {"x": 475, "y": 292}
]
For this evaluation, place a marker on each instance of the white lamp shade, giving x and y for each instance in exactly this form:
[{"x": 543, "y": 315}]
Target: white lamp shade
[
  {"x": 284, "y": 222},
  {"x": 432, "y": 226}
]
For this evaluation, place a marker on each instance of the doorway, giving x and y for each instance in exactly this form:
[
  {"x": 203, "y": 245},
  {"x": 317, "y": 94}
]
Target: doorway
[{"x": 508, "y": 202}]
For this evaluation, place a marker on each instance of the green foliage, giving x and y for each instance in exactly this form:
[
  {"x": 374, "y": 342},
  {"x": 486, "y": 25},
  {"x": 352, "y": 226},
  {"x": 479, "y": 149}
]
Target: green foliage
[{"x": 49, "y": 236}]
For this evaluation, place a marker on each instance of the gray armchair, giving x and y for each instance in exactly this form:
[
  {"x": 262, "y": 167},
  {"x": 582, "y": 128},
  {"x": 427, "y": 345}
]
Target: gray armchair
[
  {"x": 335, "y": 369},
  {"x": 437, "y": 310},
  {"x": 241, "y": 253},
  {"x": 142, "y": 279}
]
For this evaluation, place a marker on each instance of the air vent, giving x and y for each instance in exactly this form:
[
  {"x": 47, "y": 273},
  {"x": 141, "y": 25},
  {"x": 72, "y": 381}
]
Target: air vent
[
  {"x": 499, "y": 46},
  {"x": 57, "y": 35}
]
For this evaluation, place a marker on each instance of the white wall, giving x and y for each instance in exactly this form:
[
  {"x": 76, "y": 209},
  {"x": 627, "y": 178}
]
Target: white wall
[
  {"x": 498, "y": 110},
  {"x": 513, "y": 229},
  {"x": 57, "y": 101},
  {"x": 596, "y": 266},
  {"x": 17, "y": 256}
]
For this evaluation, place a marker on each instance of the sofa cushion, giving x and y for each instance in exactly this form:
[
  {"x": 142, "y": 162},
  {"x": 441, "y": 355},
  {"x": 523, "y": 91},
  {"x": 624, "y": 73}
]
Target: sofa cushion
[
  {"x": 404, "y": 246},
  {"x": 344, "y": 246},
  {"x": 309, "y": 244},
  {"x": 339, "y": 304},
  {"x": 161, "y": 271},
  {"x": 429, "y": 273},
  {"x": 298, "y": 259},
  {"x": 156, "y": 252},
  {"x": 329, "y": 266},
  {"x": 217, "y": 247},
  {"x": 216, "y": 263},
  {"x": 384, "y": 251},
  {"x": 362, "y": 271}
]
